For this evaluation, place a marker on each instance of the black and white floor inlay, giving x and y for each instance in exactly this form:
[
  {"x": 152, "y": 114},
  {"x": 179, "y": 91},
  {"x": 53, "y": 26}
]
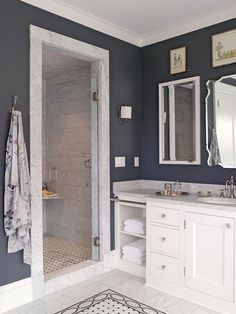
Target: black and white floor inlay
[{"x": 109, "y": 302}]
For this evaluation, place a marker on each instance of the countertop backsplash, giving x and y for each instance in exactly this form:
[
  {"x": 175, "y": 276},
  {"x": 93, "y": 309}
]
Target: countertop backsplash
[{"x": 191, "y": 188}]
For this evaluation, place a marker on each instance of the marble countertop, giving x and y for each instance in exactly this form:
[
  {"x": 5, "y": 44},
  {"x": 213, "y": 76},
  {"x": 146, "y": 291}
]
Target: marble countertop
[{"x": 190, "y": 200}]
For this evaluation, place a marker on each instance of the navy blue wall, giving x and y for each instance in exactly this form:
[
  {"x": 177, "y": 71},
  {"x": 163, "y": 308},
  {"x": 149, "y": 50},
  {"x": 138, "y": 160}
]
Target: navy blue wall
[
  {"x": 125, "y": 87},
  {"x": 129, "y": 76},
  {"x": 155, "y": 69}
]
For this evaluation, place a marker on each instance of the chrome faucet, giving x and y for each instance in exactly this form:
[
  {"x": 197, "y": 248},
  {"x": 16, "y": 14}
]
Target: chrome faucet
[{"x": 229, "y": 185}]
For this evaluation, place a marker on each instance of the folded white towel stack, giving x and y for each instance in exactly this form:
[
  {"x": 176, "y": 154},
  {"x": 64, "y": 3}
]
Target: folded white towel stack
[
  {"x": 135, "y": 252},
  {"x": 135, "y": 225}
]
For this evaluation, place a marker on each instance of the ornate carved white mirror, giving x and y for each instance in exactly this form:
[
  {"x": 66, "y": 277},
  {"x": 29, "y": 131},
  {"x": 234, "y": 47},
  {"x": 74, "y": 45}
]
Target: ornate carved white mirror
[
  {"x": 221, "y": 122},
  {"x": 179, "y": 122}
]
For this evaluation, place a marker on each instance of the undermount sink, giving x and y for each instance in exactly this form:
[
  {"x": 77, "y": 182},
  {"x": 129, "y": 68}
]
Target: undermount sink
[{"x": 218, "y": 200}]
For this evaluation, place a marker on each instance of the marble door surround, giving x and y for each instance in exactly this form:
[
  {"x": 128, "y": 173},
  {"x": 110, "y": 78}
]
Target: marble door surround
[{"x": 99, "y": 59}]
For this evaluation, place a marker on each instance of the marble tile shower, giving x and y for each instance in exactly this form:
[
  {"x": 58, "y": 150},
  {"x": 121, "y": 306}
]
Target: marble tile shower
[
  {"x": 99, "y": 59},
  {"x": 66, "y": 145}
]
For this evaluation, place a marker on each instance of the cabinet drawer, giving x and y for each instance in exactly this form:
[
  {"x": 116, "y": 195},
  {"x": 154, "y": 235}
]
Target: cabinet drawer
[
  {"x": 164, "y": 239},
  {"x": 164, "y": 216},
  {"x": 164, "y": 267}
]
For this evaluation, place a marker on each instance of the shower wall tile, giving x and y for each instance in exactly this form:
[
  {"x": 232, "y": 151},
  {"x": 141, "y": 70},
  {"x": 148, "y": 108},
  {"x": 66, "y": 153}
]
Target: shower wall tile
[
  {"x": 76, "y": 178},
  {"x": 67, "y": 163},
  {"x": 72, "y": 135},
  {"x": 70, "y": 150},
  {"x": 44, "y": 132},
  {"x": 81, "y": 237},
  {"x": 68, "y": 125}
]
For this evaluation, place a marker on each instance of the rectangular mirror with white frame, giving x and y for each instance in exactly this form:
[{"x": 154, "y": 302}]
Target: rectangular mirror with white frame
[{"x": 179, "y": 122}]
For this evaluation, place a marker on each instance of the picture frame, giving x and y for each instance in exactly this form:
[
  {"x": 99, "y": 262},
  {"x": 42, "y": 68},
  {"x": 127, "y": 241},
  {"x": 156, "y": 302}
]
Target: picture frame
[
  {"x": 224, "y": 48},
  {"x": 178, "y": 60}
]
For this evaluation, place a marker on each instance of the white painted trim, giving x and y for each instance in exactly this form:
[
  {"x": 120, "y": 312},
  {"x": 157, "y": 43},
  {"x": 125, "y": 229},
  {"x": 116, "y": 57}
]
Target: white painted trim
[
  {"x": 101, "y": 25},
  {"x": 15, "y": 294},
  {"x": 86, "y": 19},
  {"x": 21, "y": 291},
  {"x": 197, "y": 145},
  {"x": 172, "y": 128}
]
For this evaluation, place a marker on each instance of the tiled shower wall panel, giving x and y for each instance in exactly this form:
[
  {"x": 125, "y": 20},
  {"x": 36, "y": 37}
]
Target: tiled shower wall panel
[{"x": 68, "y": 146}]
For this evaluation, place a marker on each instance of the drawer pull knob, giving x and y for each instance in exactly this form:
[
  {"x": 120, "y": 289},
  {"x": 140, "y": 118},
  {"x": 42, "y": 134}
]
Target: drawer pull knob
[
  {"x": 228, "y": 226},
  {"x": 163, "y": 239},
  {"x": 163, "y": 267},
  {"x": 163, "y": 215}
]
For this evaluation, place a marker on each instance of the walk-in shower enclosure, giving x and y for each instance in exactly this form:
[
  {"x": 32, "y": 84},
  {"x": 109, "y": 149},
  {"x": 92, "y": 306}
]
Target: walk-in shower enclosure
[{"x": 67, "y": 159}]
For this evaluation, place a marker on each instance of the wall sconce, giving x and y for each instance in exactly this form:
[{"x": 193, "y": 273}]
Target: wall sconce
[{"x": 125, "y": 113}]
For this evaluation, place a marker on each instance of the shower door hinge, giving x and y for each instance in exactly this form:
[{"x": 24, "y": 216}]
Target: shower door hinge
[
  {"x": 96, "y": 241},
  {"x": 95, "y": 96},
  {"x": 184, "y": 271},
  {"x": 184, "y": 224}
]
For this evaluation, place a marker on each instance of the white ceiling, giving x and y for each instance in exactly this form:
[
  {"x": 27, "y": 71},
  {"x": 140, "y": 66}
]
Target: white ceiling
[
  {"x": 56, "y": 63},
  {"x": 142, "y": 22},
  {"x": 147, "y": 16}
]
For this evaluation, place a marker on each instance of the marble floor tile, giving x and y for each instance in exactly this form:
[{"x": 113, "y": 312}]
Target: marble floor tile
[
  {"x": 118, "y": 281},
  {"x": 180, "y": 306},
  {"x": 203, "y": 311},
  {"x": 115, "y": 277},
  {"x": 80, "y": 293},
  {"x": 161, "y": 301},
  {"x": 135, "y": 289}
]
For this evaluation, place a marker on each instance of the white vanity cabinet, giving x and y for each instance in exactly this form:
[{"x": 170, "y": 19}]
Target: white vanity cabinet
[
  {"x": 209, "y": 254},
  {"x": 191, "y": 252}
]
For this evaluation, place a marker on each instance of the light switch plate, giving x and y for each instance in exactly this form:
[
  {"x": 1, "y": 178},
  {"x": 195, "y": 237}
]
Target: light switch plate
[
  {"x": 119, "y": 162},
  {"x": 136, "y": 161}
]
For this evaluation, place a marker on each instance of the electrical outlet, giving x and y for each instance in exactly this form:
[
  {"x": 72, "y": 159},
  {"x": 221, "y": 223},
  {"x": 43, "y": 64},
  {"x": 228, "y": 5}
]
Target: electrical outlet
[
  {"x": 119, "y": 162},
  {"x": 136, "y": 161}
]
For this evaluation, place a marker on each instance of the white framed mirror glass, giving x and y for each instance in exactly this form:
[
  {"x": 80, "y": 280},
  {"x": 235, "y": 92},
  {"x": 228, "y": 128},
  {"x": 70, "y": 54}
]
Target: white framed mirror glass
[
  {"x": 221, "y": 122},
  {"x": 179, "y": 122}
]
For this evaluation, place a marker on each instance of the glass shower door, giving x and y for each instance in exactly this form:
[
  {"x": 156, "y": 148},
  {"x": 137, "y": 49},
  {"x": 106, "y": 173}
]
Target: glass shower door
[{"x": 94, "y": 170}]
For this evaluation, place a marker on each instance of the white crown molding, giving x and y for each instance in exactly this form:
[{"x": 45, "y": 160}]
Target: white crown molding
[
  {"x": 189, "y": 26},
  {"x": 86, "y": 19},
  {"x": 15, "y": 294},
  {"x": 91, "y": 21}
]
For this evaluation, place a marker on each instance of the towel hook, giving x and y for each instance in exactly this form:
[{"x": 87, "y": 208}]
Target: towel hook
[{"x": 13, "y": 107}]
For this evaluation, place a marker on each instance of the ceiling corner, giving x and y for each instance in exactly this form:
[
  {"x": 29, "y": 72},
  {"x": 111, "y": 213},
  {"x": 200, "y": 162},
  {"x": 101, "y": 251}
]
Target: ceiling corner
[
  {"x": 188, "y": 26},
  {"x": 91, "y": 21}
]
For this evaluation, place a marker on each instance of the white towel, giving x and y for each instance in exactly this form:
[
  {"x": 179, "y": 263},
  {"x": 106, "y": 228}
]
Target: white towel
[
  {"x": 130, "y": 255},
  {"x": 136, "y": 248},
  {"x": 136, "y": 221},
  {"x": 134, "y": 229},
  {"x": 17, "y": 209},
  {"x": 140, "y": 260}
]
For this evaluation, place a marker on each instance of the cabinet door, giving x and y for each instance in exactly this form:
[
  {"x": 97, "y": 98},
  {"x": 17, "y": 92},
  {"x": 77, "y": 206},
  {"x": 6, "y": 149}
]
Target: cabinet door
[{"x": 210, "y": 254}]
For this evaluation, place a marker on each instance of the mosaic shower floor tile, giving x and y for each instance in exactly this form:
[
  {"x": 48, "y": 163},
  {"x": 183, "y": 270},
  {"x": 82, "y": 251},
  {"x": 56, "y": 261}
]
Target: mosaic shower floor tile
[{"x": 59, "y": 253}]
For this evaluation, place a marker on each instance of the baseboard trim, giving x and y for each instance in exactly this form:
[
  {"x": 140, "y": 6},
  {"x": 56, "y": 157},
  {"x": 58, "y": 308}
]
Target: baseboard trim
[{"x": 19, "y": 291}]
